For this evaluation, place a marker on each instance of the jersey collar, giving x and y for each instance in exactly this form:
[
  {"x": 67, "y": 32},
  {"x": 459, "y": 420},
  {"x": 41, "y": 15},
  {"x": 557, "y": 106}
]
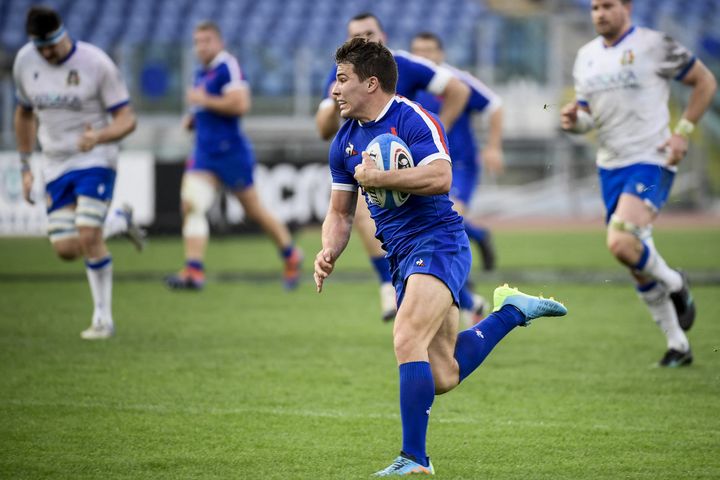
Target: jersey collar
[
  {"x": 383, "y": 112},
  {"x": 70, "y": 53},
  {"x": 219, "y": 58},
  {"x": 622, "y": 37}
]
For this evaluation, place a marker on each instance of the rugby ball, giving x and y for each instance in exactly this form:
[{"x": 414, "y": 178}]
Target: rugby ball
[{"x": 389, "y": 153}]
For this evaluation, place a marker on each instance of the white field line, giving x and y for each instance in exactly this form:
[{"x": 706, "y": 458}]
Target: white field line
[{"x": 307, "y": 413}]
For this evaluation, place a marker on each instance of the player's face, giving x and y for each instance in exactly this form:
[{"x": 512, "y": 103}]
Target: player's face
[
  {"x": 349, "y": 92},
  {"x": 610, "y": 17},
  {"x": 56, "y": 53},
  {"x": 207, "y": 45},
  {"x": 367, "y": 28},
  {"x": 427, "y": 48}
]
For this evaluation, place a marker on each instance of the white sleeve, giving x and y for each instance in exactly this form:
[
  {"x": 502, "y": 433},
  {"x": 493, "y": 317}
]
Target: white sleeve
[
  {"x": 17, "y": 79},
  {"x": 113, "y": 92},
  {"x": 439, "y": 81},
  {"x": 236, "y": 80}
]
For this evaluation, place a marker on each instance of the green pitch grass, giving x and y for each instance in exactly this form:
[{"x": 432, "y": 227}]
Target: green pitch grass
[{"x": 246, "y": 381}]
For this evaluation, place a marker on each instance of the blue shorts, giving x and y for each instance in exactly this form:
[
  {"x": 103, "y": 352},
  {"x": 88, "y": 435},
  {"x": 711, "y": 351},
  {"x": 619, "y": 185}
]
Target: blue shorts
[
  {"x": 234, "y": 167},
  {"x": 97, "y": 182},
  {"x": 650, "y": 183},
  {"x": 445, "y": 255},
  {"x": 464, "y": 181}
]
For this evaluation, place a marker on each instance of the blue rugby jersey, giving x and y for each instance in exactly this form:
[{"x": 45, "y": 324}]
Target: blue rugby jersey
[
  {"x": 463, "y": 145},
  {"x": 217, "y": 133},
  {"x": 424, "y": 135},
  {"x": 415, "y": 74}
]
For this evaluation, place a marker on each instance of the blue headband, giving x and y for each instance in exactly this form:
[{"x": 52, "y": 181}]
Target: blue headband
[{"x": 52, "y": 38}]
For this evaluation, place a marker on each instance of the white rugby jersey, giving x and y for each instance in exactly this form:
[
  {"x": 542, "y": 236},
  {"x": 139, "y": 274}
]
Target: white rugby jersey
[
  {"x": 84, "y": 89},
  {"x": 627, "y": 87}
]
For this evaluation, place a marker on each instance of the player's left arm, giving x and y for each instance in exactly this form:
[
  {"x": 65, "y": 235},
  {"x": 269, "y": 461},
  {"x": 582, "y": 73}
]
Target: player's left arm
[
  {"x": 455, "y": 98},
  {"x": 433, "y": 178},
  {"x": 235, "y": 102},
  {"x": 492, "y": 156},
  {"x": 123, "y": 123},
  {"x": 704, "y": 86}
]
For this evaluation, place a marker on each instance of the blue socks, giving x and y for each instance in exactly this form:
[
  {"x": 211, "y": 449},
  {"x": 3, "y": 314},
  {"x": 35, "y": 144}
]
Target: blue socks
[
  {"x": 465, "y": 298},
  {"x": 475, "y": 344},
  {"x": 475, "y": 233},
  {"x": 417, "y": 392},
  {"x": 195, "y": 265},
  {"x": 643, "y": 258},
  {"x": 287, "y": 251},
  {"x": 382, "y": 268}
]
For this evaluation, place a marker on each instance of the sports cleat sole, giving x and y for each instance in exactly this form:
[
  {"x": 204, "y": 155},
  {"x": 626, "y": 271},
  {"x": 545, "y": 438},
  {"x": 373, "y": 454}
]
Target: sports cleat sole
[
  {"x": 530, "y": 306},
  {"x": 684, "y": 304}
]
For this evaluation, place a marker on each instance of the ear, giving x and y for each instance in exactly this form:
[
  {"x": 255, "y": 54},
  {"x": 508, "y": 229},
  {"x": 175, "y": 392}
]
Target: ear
[{"x": 373, "y": 84}]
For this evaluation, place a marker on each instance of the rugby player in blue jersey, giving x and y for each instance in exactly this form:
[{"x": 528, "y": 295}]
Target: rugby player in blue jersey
[
  {"x": 414, "y": 75},
  {"x": 463, "y": 146},
  {"x": 222, "y": 157},
  {"x": 428, "y": 250}
]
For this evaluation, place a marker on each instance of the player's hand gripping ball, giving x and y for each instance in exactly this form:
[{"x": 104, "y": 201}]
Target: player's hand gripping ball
[{"x": 389, "y": 153}]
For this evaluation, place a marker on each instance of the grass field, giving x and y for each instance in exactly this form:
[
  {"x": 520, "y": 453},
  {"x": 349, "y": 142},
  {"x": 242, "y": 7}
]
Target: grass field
[{"x": 246, "y": 381}]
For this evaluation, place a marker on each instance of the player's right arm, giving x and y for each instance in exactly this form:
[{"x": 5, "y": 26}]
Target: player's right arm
[
  {"x": 327, "y": 118},
  {"x": 25, "y": 132},
  {"x": 575, "y": 117},
  {"x": 335, "y": 233},
  {"x": 25, "y": 126},
  {"x": 338, "y": 221}
]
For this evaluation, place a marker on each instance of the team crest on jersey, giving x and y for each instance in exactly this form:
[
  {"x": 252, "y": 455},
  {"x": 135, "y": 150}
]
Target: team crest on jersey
[
  {"x": 73, "y": 79},
  {"x": 350, "y": 150},
  {"x": 628, "y": 57}
]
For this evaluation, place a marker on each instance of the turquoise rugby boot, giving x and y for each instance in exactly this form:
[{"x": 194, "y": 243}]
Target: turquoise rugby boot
[
  {"x": 531, "y": 307},
  {"x": 405, "y": 466}
]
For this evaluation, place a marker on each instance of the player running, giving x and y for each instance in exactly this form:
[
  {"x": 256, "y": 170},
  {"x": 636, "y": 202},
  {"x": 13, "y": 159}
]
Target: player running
[
  {"x": 622, "y": 85},
  {"x": 463, "y": 146},
  {"x": 415, "y": 74},
  {"x": 428, "y": 250},
  {"x": 82, "y": 107},
  {"x": 222, "y": 157}
]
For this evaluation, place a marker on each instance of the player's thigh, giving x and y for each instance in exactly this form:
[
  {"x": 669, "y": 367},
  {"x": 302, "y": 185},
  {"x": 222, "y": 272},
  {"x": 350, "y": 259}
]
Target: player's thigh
[
  {"x": 197, "y": 191},
  {"x": 632, "y": 215},
  {"x": 422, "y": 312},
  {"x": 250, "y": 201}
]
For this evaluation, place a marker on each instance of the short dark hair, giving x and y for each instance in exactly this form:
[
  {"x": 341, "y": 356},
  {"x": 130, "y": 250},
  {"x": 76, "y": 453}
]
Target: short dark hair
[
  {"x": 369, "y": 59},
  {"x": 429, "y": 36},
  {"x": 364, "y": 15},
  {"x": 208, "y": 25},
  {"x": 42, "y": 21}
]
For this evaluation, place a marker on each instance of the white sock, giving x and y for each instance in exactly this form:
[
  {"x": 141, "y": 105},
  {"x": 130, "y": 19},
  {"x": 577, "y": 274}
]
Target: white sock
[
  {"x": 116, "y": 222},
  {"x": 99, "y": 273},
  {"x": 663, "y": 312},
  {"x": 656, "y": 267}
]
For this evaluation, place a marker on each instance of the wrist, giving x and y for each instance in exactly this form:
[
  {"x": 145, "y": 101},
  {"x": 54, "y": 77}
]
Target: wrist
[{"x": 684, "y": 128}]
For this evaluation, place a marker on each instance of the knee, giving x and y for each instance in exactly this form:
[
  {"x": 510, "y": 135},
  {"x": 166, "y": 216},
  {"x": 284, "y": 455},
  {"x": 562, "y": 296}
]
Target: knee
[
  {"x": 90, "y": 239},
  {"x": 67, "y": 250},
  {"x": 406, "y": 347},
  {"x": 616, "y": 245}
]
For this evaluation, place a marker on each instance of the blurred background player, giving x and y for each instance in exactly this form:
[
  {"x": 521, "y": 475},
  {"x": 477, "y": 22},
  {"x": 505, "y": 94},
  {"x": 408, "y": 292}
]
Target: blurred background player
[
  {"x": 622, "y": 87},
  {"x": 431, "y": 260},
  {"x": 414, "y": 75},
  {"x": 466, "y": 162},
  {"x": 82, "y": 108},
  {"x": 222, "y": 157}
]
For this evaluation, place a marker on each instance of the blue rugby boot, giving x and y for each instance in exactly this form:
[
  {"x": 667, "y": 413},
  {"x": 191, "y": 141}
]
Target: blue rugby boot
[
  {"x": 531, "y": 307},
  {"x": 403, "y": 465}
]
